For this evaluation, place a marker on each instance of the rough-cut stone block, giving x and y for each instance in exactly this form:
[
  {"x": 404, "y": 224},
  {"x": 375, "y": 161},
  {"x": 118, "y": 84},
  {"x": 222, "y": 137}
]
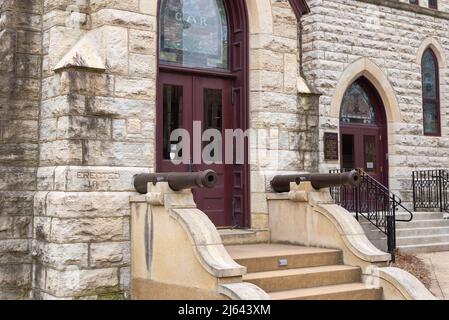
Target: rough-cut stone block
[
  {"x": 143, "y": 42},
  {"x": 62, "y": 256},
  {"x": 17, "y": 178},
  {"x": 81, "y": 282},
  {"x": 123, "y": 19},
  {"x": 42, "y": 229},
  {"x": 29, "y": 42},
  {"x": 106, "y": 153},
  {"x": 85, "y": 204},
  {"x": 130, "y": 5},
  {"x": 134, "y": 88},
  {"x": 7, "y": 50},
  {"x": 15, "y": 276},
  {"x": 104, "y": 255},
  {"x": 16, "y": 203},
  {"x": 142, "y": 65},
  {"x": 6, "y": 227},
  {"x": 23, "y": 154},
  {"x": 61, "y": 152},
  {"x": 86, "y": 83},
  {"x": 81, "y": 127},
  {"x": 86, "y": 230},
  {"x": 18, "y": 109}
]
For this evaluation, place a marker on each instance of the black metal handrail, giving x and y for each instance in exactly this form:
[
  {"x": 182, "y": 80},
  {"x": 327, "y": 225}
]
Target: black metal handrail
[
  {"x": 431, "y": 190},
  {"x": 375, "y": 202}
]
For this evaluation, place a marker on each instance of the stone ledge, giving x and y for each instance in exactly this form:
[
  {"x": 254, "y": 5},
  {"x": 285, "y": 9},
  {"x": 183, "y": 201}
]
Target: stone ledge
[{"x": 98, "y": 50}]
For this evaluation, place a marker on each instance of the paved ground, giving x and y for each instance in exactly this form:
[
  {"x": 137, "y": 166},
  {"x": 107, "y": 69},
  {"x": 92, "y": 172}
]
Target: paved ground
[{"x": 438, "y": 264}]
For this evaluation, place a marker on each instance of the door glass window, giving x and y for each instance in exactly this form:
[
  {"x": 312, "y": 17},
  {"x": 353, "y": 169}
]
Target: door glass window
[
  {"x": 194, "y": 33},
  {"x": 357, "y": 107},
  {"x": 370, "y": 153},
  {"x": 173, "y": 115},
  {"x": 348, "y": 152},
  {"x": 213, "y": 113}
]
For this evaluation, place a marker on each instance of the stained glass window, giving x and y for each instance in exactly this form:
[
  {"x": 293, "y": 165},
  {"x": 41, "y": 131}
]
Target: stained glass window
[
  {"x": 430, "y": 88},
  {"x": 357, "y": 107},
  {"x": 433, "y": 4},
  {"x": 194, "y": 33}
]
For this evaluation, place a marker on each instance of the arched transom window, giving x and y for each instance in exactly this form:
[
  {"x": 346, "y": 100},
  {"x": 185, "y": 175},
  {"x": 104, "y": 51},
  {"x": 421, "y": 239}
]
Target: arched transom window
[
  {"x": 194, "y": 33},
  {"x": 357, "y": 106},
  {"x": 431, "y": 94}
]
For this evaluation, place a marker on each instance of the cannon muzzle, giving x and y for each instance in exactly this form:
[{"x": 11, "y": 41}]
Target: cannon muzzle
[
  {"x": 319, "y": 180},
  {"x": 177, "y": 180}
]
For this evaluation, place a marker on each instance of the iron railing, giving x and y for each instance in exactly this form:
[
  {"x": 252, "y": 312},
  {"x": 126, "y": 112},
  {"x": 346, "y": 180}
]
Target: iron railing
[
  {"x": 376, "y": 203},
  {"x": 431, "y": 190}
]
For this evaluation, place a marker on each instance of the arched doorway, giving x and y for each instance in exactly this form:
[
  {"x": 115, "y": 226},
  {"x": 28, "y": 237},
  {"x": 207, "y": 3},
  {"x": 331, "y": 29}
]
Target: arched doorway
[
  {"x": 203, "y": 84},
  {"x": 363, "y": 130}
]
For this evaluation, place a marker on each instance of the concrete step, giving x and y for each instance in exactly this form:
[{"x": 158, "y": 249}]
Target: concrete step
[
  {"x": 418, "y": 240},
  {"x": 351, "y": 291},
  {"x": 419, "y": 215},
  {"x": 272, "y": 281},
  {"x": 243, "y": 236},
  {"x": 414, "y": 232},
  {"x": 424, "y": 248},
  {"x": 423, "y": 224},
  {"x": 271, "y": 257}
]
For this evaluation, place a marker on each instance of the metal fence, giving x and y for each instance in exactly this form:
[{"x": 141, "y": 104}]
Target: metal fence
[{"x": 431, "y": 190}]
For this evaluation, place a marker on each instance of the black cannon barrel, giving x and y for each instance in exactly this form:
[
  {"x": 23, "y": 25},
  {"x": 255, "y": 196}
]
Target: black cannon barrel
[
  {"x": 177, "y": 180},
  {"x": 281, "y": 183}
]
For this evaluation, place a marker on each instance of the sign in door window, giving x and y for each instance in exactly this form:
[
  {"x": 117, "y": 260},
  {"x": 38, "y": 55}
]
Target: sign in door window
[{"x": 370, "y": 153}]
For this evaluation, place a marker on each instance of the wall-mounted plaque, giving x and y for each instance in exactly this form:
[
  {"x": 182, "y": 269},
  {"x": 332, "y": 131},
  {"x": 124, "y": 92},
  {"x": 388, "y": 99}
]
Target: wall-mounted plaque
[{"x": 330, "y": 146}]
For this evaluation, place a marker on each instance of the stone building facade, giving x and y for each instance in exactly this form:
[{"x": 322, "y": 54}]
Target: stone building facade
[
  {"x": 78, "y": 111},
  {"x": 384, "y": 43},
  {"x": 78, "y": 119}
]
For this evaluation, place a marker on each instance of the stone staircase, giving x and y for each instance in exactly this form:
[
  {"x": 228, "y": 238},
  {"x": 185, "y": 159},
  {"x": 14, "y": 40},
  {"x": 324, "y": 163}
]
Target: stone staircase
[
  {"x": 427, "y": 232},
  {"x": 288, "y": 272}
]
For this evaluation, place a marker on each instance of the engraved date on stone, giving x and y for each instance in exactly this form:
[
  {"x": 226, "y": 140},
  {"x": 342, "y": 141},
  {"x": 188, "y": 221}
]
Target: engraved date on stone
[{"x": 98, "y": 175}]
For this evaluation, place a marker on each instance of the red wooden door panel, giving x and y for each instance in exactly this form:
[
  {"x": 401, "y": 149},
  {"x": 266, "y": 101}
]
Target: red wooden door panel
[
  {"x": 183, "y": 101},
  {"x": 213, "y": 109}
]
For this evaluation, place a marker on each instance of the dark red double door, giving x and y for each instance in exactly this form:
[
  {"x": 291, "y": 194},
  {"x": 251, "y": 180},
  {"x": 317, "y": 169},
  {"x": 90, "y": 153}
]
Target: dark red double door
[
  {"x": 364, "y": 147},
  {"x": 197, "y": 103}
]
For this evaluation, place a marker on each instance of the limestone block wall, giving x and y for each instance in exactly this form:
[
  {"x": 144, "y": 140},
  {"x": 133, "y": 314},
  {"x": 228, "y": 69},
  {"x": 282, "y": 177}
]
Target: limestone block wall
[
  {"x": 78, "y": 99},
  {"x": 20, "y": 65},
  {"x": 96, "y": 133},
  {"x": 286, "y": 118},
  {"x": 385, "y": 44}
]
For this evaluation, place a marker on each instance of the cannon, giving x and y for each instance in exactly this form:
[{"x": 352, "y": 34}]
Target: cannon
[
  {"x": 177, "y": 180},
  {"x": 281, "y": 183}
]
